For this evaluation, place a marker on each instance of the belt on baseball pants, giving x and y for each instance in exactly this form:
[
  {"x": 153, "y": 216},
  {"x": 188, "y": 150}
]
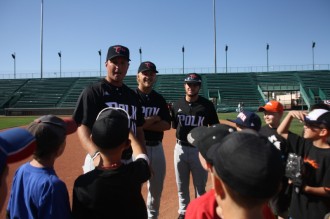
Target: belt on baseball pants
[
  {"x": 152, "y": 143},
  {"x": 184, "y": 143}
]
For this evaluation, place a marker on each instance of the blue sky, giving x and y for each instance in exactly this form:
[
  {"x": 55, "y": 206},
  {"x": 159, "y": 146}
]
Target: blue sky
[{"x": 79, "y": 28}]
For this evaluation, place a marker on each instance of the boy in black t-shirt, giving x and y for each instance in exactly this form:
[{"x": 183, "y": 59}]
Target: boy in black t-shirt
[
  {"x": 273, "y": 112},
  {"x": 311, "y": 196},
  {"x": 113, "y": 188}
]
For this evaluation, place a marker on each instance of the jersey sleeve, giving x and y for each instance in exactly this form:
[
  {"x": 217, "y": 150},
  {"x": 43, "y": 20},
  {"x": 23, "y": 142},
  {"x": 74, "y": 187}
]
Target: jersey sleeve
[
  {"x": 164, "y": 111},
  {"x": 214, "y": 119},
  {"x": 174, "y": 115},
  {"x": 139, "y": 114},
  {"x": 86, "y": 111}
]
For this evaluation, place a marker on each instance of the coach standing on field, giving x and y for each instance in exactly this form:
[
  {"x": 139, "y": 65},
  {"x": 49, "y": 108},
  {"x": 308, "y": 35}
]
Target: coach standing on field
[
  {"x": 190, "y": 112},
  {"x": 109, "y": 92},
  {"x": 157, "y": 120}
]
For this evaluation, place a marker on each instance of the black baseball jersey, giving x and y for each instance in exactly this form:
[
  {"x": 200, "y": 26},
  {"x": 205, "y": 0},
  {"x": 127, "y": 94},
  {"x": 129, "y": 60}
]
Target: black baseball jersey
[
  {"x": 111, "y": 193},
  {"x": 281, "y": 201},
  {"x": 102, "y": 94},
  {"x": 154, "y": 104},
  {"x": 317, "y": 169},
  {"x": 277, "y": 140},
  {"x": 187, "y": 116}
]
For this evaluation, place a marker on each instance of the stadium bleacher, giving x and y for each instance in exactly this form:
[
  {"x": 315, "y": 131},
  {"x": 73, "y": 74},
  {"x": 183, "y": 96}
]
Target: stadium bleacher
[{"x": 226, "y": 90}]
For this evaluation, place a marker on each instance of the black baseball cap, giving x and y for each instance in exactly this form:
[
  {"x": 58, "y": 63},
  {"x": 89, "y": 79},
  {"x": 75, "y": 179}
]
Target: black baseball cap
[
  {"x": 147, "y": 66},
  {"x": 318, "y": 117},
  {"x": 248, "y": 119},
  {"x": 193, "y": 78},
  {"x": 51, "y": 130},
  {"x": 248, "y": 163},
  {"x": 203, "y": 137},
  {"x": 118, "y": 50},
  {"x": 111, "y": 128}
]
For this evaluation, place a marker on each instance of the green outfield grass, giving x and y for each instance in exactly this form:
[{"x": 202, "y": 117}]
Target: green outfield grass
[
  {"x": 296, "y": 126},
  {"x": 14, "y": 121}
]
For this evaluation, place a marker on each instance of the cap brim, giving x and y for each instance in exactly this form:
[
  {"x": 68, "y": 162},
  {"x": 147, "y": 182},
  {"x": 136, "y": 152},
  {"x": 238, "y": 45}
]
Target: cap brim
[
  {"x": 71, "y": 125},
  {"x": 261, "y": 109},
  {"x": 112, "y": 57},
  {"x": 192, "y": 82},
  {"x": 195, "y": 134},
  {"x": 17, "y": 144},
  {"x": 195, "y": 138},
  {"x": 270, "y": 109},
  {"x": 236, "y": 121},
  {"x": 143, "y": 70}
]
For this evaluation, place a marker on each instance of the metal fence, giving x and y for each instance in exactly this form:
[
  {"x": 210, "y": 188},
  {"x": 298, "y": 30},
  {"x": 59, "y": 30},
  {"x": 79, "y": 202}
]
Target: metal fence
[{"x": 206, "y": 70}]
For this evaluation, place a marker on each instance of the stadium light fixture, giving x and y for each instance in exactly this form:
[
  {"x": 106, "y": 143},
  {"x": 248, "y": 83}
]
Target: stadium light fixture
[
  {"x": 60, "y": 56},
  {"x": 100, "y": 53},
  {"x": 140, "y": 51},
  {"x": 182, "y": 59},
  {"x": 313, "y": 46},
  {"x": 267, "y": 48},
  {"x": 14, "y": 58},
  {"x": 226, "y": 49}
]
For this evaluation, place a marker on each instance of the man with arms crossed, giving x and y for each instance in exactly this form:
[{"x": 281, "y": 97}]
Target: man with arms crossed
[{"x": 157, "y": 120}]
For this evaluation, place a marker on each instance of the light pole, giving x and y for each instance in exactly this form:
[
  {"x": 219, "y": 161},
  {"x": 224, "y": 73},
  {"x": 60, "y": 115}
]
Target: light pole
[
  {"x": 226, "y": 49},
  {"x": 100, "y": 53},
  {"x": 267, "y": 48},
  {"x": 313, "y": 45},
  {"x": 140, "y": 51},
  {"x": 14, "y": 57},
  {"x": 41, "y": 37},
  {"x": 60, "y": 56},
  {"x": 215, "y": 39},
  {"x": 182, "y": 59}
]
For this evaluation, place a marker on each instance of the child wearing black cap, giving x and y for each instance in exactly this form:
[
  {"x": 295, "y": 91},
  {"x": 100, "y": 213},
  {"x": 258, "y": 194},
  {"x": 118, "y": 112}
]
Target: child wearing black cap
[
  {"x": 311, "y": 193},
  {"x": 247, "y": 120},
  {"x": 37, "y": 192},
  {"x": 247, "y": 171},
  {"x": 113, "y": 189},
  {"x": 204, "y": 207}
]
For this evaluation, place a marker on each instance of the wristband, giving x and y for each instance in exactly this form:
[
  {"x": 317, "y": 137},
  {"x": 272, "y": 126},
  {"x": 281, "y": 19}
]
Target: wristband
[{"x": 97, "y": 153}]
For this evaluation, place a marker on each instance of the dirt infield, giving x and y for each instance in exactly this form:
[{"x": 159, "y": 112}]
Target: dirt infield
[{"x": 69, "y": 167}]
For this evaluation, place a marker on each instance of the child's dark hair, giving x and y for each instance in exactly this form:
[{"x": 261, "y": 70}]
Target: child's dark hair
[{"x": 50, "y": 133}]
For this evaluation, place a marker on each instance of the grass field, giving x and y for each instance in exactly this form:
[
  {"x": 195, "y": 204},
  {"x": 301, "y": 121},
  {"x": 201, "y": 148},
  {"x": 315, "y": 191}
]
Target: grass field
[{"x": 14, "y": 121}]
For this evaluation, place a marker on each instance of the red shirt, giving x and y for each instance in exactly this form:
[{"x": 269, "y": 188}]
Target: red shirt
[{"x": 203, "y": 207}]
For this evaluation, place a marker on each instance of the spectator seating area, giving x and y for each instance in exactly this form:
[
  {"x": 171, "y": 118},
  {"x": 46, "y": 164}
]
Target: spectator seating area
[{"x": 225, "y": 90}]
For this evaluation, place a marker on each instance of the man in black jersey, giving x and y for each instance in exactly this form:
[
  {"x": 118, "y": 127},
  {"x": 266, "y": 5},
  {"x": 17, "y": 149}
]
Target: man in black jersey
[
  {"x": 190, "y": 112},
  {"x": 109, "y": 92},
  {"x": 157, "y": 120}
]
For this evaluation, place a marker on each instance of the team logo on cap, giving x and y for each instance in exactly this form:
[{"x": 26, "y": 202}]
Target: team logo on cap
[
  {"x": 118, "y": 49},
  {"x": 242, "y": 116},
  {"x": 193, "y": 76},
  {"x": 148, "y": 64}
]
